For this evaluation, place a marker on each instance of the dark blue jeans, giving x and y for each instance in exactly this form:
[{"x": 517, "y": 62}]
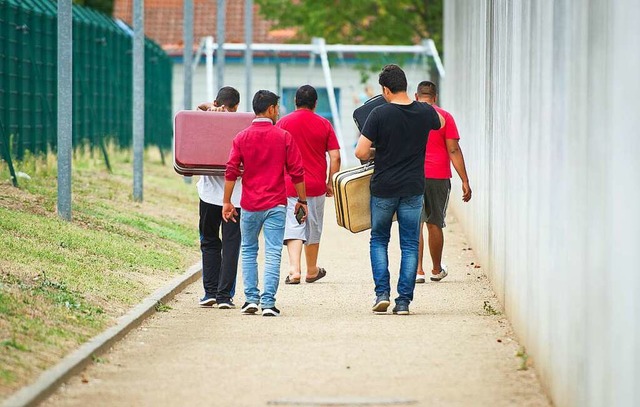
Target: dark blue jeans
[{"x": 408, "y": 210}]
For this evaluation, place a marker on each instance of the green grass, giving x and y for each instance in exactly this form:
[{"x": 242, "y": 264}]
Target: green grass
[
  {"x": 63, "y": 282},
  {"x": 489, "y": 310},
  {"x": 524, "y": 358},
  {"x": 163, "y": 308}
]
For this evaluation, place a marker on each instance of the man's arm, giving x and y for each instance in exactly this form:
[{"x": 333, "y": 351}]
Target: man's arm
[
  {"x": 455, "y": 154},
  {"x": 205, "y": 106},
  {"x": 302, "y": 196},
  {"x": 363, "y": 148},
  {"x": 231, "y": 174},
  {"x": 229, "y": 212},
  {"x": 334, "y": 166},
  {"x": 442, "y": 121},
  {"x": 296, "y": 172},
  {"x": 211, "y": 107}
]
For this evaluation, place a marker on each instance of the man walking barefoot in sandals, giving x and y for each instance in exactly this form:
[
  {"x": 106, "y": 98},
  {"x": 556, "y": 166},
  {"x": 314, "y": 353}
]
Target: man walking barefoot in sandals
[{"x": 314, "y": 136}]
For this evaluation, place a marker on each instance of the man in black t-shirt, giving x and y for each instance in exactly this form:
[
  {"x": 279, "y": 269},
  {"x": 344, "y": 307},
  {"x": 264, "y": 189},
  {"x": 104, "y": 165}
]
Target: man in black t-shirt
[{"x": 399, "y": 130}]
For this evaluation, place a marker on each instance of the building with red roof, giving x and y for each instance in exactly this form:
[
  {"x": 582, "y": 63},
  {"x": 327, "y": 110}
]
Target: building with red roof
[{"x": 163, "y": 20}]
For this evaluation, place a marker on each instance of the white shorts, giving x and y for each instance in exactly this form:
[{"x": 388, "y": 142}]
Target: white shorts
[{"x": 311, "y": 229}]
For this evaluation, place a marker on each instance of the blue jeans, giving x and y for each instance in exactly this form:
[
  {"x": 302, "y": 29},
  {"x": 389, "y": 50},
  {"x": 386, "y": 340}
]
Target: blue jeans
[
  {"x": 408, "y": 210},
  {"x": 271, "y": 222}
]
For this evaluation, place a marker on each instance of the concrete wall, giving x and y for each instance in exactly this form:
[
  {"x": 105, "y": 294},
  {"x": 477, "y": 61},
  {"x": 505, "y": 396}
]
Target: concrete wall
[
  {"x": 345, "y": 76},
  {"x": 546, "y": 95}
]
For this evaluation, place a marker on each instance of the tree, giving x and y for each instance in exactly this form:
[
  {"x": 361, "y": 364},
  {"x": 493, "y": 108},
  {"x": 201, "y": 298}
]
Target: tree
[
  {"x": 103, "y": 6},
  {"x": 388, "y": 22}
]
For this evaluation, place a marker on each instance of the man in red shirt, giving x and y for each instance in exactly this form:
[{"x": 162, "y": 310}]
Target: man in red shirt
[
  {"x": 442, "y": 149},
  {"x": 265, "y": 152},
  {"x": 314, "y": 137}
]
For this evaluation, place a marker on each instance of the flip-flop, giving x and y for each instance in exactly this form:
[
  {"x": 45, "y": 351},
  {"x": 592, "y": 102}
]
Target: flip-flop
[
  {"x": 289, "y": 280},
  {"x": 321, "y": 273}
]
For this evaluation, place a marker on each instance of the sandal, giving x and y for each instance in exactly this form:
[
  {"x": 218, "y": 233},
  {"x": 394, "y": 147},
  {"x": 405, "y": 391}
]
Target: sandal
[
  {"x": 321, "y": 273},
  {"x": 290, "y": 280}
]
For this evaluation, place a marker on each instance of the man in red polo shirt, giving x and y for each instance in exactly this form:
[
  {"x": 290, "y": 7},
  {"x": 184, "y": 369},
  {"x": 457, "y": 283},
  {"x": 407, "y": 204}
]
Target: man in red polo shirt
[
  {"x": 265, "y": 152},
  {"x": 314, "y": 137},
  {"x": 442, "y": 149}
]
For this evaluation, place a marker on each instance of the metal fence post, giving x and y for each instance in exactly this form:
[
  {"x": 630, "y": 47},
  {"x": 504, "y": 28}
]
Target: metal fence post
[
  {"x": 138, "y": 98},
  {"x": 65, "y": 105},
  {"x": 187, "y": 30},
  {"x": 248, "y": 55},
  {"x": 187, "y": 63},
  {"x": 220, "y": 37}
]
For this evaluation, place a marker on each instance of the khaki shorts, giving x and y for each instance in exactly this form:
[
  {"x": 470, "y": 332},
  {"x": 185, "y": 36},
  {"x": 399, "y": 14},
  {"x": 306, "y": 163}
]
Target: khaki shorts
[{"x": 311, "y": 230}]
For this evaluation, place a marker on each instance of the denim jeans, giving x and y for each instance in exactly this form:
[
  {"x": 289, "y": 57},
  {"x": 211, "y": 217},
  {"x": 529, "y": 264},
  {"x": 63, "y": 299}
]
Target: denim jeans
[
  {"x": 408, "y": 210},
  {"x": 271, "y": 222}
]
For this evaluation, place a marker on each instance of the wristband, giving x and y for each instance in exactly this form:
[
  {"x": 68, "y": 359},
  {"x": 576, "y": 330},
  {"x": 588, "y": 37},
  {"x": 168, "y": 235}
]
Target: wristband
[{"x": 302, "y": 202}]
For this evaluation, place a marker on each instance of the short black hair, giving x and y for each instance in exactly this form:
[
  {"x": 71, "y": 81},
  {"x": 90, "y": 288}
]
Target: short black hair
[
  {"x": 427, "y": 88},
  {"x": 263, "y": 99},
  {"x": 393, "y": 77},
  {"x": 306, "y": 96},
  {"x": 228, "y": 97}
]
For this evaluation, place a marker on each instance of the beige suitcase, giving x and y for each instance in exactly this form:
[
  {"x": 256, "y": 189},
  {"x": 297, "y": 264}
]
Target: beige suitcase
[{"x": 352, "y": 198}]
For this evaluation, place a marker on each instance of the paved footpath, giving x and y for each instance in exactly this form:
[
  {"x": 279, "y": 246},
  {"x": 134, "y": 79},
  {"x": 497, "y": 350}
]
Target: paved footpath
[{"x": 326, "y": 348}]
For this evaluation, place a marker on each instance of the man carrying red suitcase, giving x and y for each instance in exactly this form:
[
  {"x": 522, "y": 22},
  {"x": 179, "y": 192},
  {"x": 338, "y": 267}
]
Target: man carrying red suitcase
[
  {"x": 219, "y": 256},
  {"x": 265, "y": 152},
  {"x": 314, "y": 137},
  {"x": 399, "y": 130}
]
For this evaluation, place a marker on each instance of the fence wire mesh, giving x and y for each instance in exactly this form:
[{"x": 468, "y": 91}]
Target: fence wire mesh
[{"x": 102, "y": 81}]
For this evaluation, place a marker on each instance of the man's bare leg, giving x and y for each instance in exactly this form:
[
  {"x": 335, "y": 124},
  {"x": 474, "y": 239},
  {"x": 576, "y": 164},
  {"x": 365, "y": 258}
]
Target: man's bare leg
[
  {"x": 294, "y": 248},
  {"x": 421, "y": 250},
  {"x": 311, "y": 254},
  {"x": 420, "y": 277},
  {"x": 436, "y": 244}
]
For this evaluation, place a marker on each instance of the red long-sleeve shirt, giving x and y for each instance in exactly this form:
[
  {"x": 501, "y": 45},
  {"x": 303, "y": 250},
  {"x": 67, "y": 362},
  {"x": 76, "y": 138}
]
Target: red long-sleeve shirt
[{"x": 265, "y": 152}]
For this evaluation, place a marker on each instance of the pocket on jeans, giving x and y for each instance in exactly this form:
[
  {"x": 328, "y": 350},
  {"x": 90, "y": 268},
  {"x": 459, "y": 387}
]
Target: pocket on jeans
[
  {"x": 250, "y": 219},
  {"x": 384, "y": 204},
  {"x": 414, "y": 201}
]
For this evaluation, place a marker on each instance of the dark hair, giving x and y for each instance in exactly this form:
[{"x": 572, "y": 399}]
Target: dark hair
[
  {"x": 306, "y": 96},
  {"x": 263, "y": 99},
  {"x": 393, "y": 77},
  {"x": 427, "y": 88},
  {"x": 228, "y": 97}
]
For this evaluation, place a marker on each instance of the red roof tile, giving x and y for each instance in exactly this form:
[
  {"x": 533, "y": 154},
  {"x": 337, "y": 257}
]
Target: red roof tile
[{"x": 163, "y": 22}]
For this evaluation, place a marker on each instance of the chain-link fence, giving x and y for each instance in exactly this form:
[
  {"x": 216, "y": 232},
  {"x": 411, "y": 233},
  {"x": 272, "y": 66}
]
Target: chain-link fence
[{"x": 102, "y": 81}]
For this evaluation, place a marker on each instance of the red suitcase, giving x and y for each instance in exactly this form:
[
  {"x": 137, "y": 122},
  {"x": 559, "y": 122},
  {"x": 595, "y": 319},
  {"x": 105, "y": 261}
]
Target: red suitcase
[{"x": 202, "y": 140}]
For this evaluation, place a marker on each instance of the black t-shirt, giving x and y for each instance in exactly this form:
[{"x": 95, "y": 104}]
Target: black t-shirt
[{"x": 400, "y": 134}]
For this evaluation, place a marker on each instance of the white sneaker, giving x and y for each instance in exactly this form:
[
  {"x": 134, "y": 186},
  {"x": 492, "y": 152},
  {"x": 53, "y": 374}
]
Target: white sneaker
[
  {"x": 420, "y": 278},
  {"x": 226, "y": 305},
  {"x": 442, "y": 274}
]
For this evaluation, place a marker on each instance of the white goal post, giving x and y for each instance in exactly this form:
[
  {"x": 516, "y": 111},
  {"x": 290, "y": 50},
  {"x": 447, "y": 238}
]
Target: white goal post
[{"x": 318, "y": 47}]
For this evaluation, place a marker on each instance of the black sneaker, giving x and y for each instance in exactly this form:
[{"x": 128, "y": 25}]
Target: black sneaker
[
  {"x": 207, "y": 301},
  {"x": 226, "y": 304},
  {"x": 249, "y": 308},
  {"x": 401, "y": 309},
  {"x": 382, "y": 303},
  {"x": 270, "y": 312}
]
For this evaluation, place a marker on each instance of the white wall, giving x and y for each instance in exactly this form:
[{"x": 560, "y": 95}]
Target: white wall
[
  {"x": 546, "y": 95},
  {"x": 345, "y": 76}
]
